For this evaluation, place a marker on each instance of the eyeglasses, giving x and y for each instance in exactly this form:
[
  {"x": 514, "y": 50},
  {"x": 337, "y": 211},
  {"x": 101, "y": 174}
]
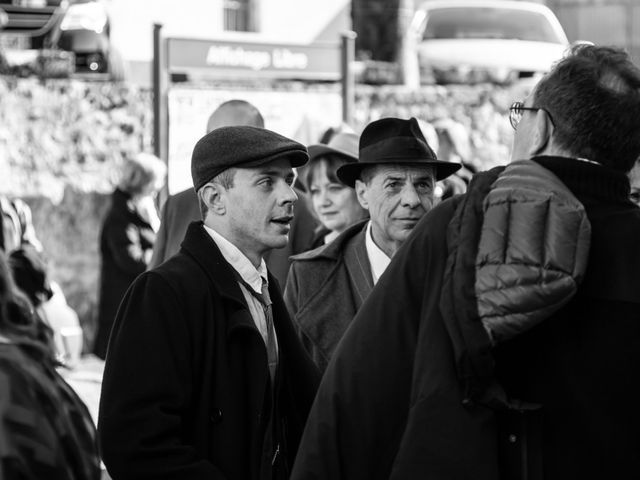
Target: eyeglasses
[{"x": 516, "y": 110}]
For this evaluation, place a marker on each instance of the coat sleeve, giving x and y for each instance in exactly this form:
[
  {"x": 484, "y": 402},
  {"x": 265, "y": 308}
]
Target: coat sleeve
[
  {"x": 147, "y": 388},
  {"x": 292, "y": 301},
  {"x": 359, "y": 414}
]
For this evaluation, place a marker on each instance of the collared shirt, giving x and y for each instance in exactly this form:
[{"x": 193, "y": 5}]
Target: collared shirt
[
  {"x": 377, "y": 258},
  {"x": 252, "y": 276}
]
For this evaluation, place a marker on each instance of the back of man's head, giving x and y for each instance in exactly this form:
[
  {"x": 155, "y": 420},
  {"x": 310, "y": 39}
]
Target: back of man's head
[
  {"x": 593, "y": 97},
  {"x": 235, "y": 113}
]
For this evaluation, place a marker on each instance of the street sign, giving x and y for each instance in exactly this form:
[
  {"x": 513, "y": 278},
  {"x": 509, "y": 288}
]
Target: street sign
[{"x": 226, "y": 59}]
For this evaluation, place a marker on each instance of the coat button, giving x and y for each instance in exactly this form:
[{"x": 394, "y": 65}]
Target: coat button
[{"x": 216, "y": 416}]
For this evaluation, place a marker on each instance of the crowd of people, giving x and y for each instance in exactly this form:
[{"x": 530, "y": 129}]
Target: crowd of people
[{"x": 371, "y": 306}]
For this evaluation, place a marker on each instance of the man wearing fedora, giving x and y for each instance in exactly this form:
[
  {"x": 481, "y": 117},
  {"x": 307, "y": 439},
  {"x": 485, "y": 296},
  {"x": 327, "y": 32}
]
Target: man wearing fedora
[
  {"x": 205, "y": 376},
  {"x": 394, "y": 179},
  {"x": 502, "y": 341}
]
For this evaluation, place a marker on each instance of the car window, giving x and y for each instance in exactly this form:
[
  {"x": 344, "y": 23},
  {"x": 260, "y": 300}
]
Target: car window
[{"x": 485, "y": 22}]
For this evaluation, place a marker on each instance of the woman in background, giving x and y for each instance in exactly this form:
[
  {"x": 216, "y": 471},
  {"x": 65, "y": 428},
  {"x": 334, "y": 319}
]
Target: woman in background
[
  {"x": 127, "y": 237},
  {"x": 46, "y": 432},
  {"x": 335, "y": 204}
]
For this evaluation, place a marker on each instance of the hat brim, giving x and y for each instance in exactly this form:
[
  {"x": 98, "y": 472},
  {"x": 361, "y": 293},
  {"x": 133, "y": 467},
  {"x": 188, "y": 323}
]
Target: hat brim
[
  {"x": 350, "y": 172},
  {"x": 298, "y": 158},
  {"x": 316, "y": 151}
]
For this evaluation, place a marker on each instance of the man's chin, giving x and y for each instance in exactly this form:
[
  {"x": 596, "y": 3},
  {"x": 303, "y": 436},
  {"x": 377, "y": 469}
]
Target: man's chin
[{"x": 279, "y": 242}]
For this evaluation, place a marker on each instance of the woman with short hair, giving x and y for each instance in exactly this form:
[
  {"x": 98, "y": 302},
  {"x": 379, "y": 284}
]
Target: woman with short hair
[
  {"x": 334, "y": 203},
  {"x": 127, "y": 237}
]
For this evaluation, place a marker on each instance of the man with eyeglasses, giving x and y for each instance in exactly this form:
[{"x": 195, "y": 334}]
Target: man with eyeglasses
[{"x": 503, "y": 339}]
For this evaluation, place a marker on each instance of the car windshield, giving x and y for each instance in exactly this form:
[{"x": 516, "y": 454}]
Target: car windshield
[{"x": 484, "y": 22}]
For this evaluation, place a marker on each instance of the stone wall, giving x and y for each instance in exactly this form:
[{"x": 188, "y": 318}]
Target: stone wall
[{"x": 60, "y": 143}]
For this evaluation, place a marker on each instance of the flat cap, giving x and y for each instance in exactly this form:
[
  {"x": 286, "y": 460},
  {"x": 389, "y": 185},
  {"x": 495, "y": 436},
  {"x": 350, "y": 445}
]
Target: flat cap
[{"x": 241, "y": 147}]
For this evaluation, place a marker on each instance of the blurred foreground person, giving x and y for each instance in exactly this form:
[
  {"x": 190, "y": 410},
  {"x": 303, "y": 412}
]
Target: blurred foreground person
[
  {"x": 16, "y": 226},
  {"x": 205, "y": 377},
  {"x": 394, "y": 181},
  {"x": 334, "y": 203},
  {"x": 127, "y": 237},
  {"x": 502, "y": 341},
  {"x": 46, "y": 432}
]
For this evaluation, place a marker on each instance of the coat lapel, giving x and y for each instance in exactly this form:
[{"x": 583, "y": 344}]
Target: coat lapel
[
  {"x": 201, "y": 248},
  {"x": 357, "y": 262}
]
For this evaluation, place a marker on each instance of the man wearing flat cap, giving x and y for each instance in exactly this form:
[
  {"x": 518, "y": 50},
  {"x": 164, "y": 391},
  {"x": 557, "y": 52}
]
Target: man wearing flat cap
[
  {"x": 205, "y": 377},
  {"x": 394, "y": 179}
]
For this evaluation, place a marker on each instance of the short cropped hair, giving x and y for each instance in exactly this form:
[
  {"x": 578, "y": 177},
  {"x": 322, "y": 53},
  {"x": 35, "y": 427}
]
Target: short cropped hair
[
  {"x": 593, "y": 97},
  {"x": 235, "y": 112},
  {"x": 141, "y": 171},
  {"x": 224, "y": 179}
]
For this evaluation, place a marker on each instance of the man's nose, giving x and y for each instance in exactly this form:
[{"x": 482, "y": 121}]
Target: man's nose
[
  {"x": 410, "y": 197},
  {"x": 288, "y": 194}
]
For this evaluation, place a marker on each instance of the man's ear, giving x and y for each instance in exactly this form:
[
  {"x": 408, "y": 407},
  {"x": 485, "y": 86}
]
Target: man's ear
[
  {"x": 543, "y": 133},
  {"x": 213, "y": 196},
  {"x": 361, "y": 194}
]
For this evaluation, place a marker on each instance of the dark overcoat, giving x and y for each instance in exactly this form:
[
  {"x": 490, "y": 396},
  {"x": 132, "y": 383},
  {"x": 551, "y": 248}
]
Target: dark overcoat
[
  {"x": 126, "y": 240},
  {"x": 186, "y": 391},
  {"x": 325, "y": 289}
]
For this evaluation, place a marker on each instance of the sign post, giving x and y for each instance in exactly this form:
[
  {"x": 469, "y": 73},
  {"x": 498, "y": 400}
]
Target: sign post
[
  {"x": 160, "y": 101},
  {"x": 348, "y": 78}
]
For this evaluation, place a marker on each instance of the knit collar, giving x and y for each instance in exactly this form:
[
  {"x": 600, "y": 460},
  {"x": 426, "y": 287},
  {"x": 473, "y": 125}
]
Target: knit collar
[{"x": 588, "y": 179}]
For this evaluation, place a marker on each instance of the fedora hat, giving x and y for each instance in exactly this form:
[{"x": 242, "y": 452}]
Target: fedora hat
[
  {"x": 394, "y": 141},
  {"x": 343, "y": 144}
]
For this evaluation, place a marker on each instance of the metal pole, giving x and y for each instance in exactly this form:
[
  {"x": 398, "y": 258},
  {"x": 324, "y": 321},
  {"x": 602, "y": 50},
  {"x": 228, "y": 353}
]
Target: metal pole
[
  {"x": 160, "y": 109},
  {"x": 348, "y": 53}
]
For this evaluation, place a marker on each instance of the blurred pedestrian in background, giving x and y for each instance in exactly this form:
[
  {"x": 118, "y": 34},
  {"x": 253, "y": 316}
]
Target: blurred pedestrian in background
[
  {"x": 46, "y": 432},
  {"x": 394, "y": 180},
  {"x": 205, "y": 377},
  {"x": 335, "y": 204},
  {"x": 127, "y": 237}
]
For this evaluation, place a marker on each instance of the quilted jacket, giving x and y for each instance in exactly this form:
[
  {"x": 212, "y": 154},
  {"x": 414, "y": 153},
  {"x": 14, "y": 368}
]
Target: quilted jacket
[{"x": 528, "y": 237}]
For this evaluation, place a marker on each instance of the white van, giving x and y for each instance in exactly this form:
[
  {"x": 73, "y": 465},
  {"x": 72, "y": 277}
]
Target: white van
[{"x": 471, "y": 41}]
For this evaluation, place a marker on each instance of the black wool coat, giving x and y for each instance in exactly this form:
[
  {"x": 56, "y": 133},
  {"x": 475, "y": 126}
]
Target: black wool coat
[
  {"x": 125, "y": 240},
  {"x": 186, "y": 390}
]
